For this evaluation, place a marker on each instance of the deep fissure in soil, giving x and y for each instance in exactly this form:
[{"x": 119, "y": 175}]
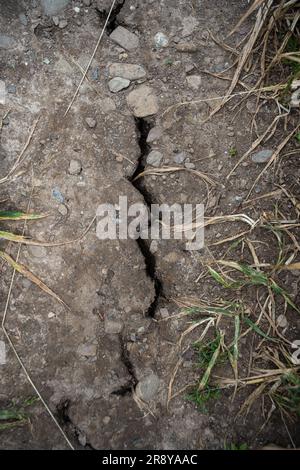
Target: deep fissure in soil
[
  {"x": 125, "y": 358},
  {"x": 143, "y": 127}
]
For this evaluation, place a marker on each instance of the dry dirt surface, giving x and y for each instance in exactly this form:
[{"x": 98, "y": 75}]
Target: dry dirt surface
[{"x": 111, "y": 366}]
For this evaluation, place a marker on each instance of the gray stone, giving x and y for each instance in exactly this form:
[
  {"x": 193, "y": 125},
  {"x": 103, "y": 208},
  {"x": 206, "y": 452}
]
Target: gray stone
[
  {"x": 11, "y": 89},
  {"x": 63, "y": 210},
  {"x": 295, "y": 99},
  {"x": 129, "y": 71},
  {"x": 7, "y": 42},
  {"x": 75, "y": 167},
  {"x": 55, "y": 20},
  {"x": 23, "y": 19},
  {"x": 2, "y": 93},
  {"x": 148, "y": 387},
  {"x": 87, "y": 350},
  {"x": 154, "y": 134},
  {"x": 52, "y": 7},
  {"x": 142, "y": 101},
  {"x": 161, "y": 40},
  {"x": 117, "y": 84},
  {"x": 179, "y": 157},
  {"x": 87, "y": 3},
  {"x": 282, "y": 321},
  {"x": 2, "y": 353},
  {"x": 91, "y": 122},
  {"x": 81, "y": 439},
  {"x": 112, "y": 327},
  {"x": 263, "y": 156},
  {"x": 58, "y": 196},
  {"x": 194, "y": 81},
  {"x": 190, "y": 166},
  {"x": 164, "y": 312},
  {"x": 189, "y": 67},
  {"x": 95, "y": 73},
  {"x": 154, "y": 158},
  {"x": 251, "y": 105},
  {"x": 125, "y": 38},
  {"x": 62, "y": 24}
]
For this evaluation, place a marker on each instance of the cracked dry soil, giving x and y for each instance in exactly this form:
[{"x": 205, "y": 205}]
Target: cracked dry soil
[{"x": 103, "y": 364}]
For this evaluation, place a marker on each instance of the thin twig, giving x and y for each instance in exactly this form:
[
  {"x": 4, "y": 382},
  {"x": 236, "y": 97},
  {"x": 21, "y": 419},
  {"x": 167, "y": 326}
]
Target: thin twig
[
  {"x": 91, "y": 59},
  {"x": 20, "y": 158}
]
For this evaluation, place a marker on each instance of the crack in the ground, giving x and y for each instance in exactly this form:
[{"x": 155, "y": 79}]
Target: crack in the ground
[
  {"x": 143, "y": 127},
  {"x": 125, "y": 358},
  {"x": 62, "y": 410},
  {"x": 113, "y": 20}
]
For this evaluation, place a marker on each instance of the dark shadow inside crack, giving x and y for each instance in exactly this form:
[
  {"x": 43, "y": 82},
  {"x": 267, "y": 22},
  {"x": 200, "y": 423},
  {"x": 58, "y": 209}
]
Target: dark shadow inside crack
[
  {"x": 113, "y": 22},
  {"x": 62, "y": 411},
  {"x": 143, "y": 127},
  {"x": 125, "y": 358}
]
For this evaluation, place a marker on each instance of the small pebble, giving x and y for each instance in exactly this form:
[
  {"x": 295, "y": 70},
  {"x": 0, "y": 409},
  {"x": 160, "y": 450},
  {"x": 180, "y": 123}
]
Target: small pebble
[
  {"x": 2, "y": 353},
  {"x": 63, "y": 210},
  {"x": 190, "y": 166},
  {"x": 11, "y": 89},
  {"x": 154, "y": 134},
  {"x": 263, "y": 156},
  {"x": 62, "y": 24},
  {"x": 164, "y": 313},
  {"x": 91, "y": 122},
  {"x": 154, "y": 158},
  {"x": 75, "y": 167},
  {"x": 282, "y": 321},
  {"x": 161, "y": 40},
  {"x": 180, "y": 157},
  {"x": 117, "y": 84},
  {"x": 57, "y": 195},
  {"x": 23, "y": 19}
]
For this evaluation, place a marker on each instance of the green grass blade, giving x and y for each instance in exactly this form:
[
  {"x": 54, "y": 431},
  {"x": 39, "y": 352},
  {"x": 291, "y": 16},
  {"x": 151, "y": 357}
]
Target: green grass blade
[
  {"x": 10, "y": 414},
  {"x": 211, "y": 364},
  {"x": 222, "y": 280},
  {"x": 257, "y": 330},
  {"x": 235, "y": 355},
  {"x": 17, "y": 215},
  {"x": 279, "y": 290},
  {"x": 12, "y": 237}
]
